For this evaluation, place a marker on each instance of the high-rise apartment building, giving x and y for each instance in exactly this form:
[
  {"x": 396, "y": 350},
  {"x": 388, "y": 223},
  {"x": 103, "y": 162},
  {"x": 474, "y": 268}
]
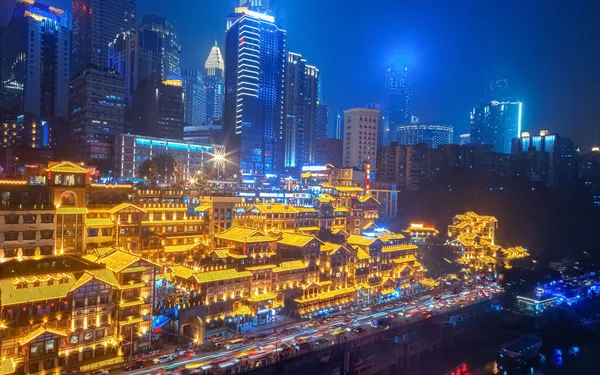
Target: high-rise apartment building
[
  {"x": 361, "y": 129},
  {"x": 496, "y": 123},
  {"x": 301, "y": 111},
  {"x": 194, "y": 98},
  {"x": 157, "y": 109},
  {"x": 214, "y": 80},
  {"x": 589, "y": 172},
  {"x": 171, "y": 44},
  {"x": 96, "y": 116},
  {"x": 432, "y": 135},
  {"x": 96, "y": 24},
  {"x": 136, "y": 55},
  {"x": 398, "y": 85},
  {"x": 254, "y": 79},
  {"x": 35, "y": 76}
]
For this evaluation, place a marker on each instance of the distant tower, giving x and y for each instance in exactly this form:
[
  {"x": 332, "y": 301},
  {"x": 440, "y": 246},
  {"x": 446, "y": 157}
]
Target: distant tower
[
  {"x": 171, "y": 44},
  {"x": 215, "y": 84},
  {"x": 194, "y": 95},
  {"x": 398, "y": 85}
]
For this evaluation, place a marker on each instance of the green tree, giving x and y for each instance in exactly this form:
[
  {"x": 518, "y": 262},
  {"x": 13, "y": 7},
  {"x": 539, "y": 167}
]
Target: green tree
[
  {"x": 166, "y": 167},
  {"x": 149, "y": 171}
]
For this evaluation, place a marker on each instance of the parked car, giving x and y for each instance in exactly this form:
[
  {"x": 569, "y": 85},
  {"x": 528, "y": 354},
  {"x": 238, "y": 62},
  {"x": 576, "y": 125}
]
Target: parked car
[
  {"x": 133, "y": 365},
  {"x": 303, "y": 346},
  {"x": 189, "y": 353},
  {"x": 321, "y": 342},
  {"x": 100, "y": 372},
  {"x": 163, "y": 359}
]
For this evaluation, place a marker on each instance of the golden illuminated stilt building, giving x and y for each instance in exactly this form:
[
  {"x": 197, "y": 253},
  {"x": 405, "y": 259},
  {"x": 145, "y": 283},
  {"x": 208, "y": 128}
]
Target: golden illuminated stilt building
[{"x": 474, "y": 237}]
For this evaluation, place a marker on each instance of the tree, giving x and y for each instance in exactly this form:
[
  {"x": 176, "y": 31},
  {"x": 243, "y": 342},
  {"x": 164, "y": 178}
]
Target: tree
[
  {"x": 149, "y": 171},
  {"x": 166, "y": 167}
]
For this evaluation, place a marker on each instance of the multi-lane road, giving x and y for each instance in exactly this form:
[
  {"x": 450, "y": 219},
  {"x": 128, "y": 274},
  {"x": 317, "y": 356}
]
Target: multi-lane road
[{"x": 296, "y": 338}]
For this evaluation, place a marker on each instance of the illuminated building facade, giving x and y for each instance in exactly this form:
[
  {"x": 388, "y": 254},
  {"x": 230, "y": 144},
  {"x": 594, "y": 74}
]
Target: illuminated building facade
[
  {"x": 35, "y": 77},
  {"x": 465, "y": 139},
  {"x": 214, "y": 77},
  {"x": 132, "y": 150},
  {"x": 398, "y": 85},
  {"x": 589, "y": 171},
  {"x": 171, "y": 44},
  {"x": 496, "y": 123},
  {"x": 547, "y": 158},
  {"x": 432, "y": 135},
  {"x": 419, "y": 233},
  {"x": 361, "y": 129},
  {"x": 157, "y": 109},
  {"x": 74, "y": 313},
  {"x": 254, "y": 80},
  {"x": 300, "y": 104},
  {"x": 194, "y": 92},
  {"x": 95, "y": 25},
  {"x": 96, "y": 116},
  {"x": 474, "y": 237}
]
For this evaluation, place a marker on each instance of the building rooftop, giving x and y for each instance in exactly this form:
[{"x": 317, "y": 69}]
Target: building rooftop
[{"x": 244, "y": 235}]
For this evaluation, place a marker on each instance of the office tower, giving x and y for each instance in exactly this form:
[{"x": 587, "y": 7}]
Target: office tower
[
  {"x": 204, "y": 134},
  {"x": 96, "y": 116},
  {"x": 214, "y": 80},
  {"x": 589, "y": 173},
  {"x": 338, "y": 127},
  {"x": 496, "y": 123},
  {"x": 547, "y": 158},
  {"x": 96, "y": 24},
  {"x": 361, "y": 128},
  {"x": 300, "y": 110},
  {"x": 432, "y": 135},
  {"x": 322, "y": 121},
  {"x": 136, "y": 55},
  {"x": 157, "y": 109},
  {"x": 171, "y": 44},
  {"x": 465, "y": 139},
  {"x": 254, "y": 79},
  {"x": 398, "y": 86},
  {"x": 194, "y": 98},
  {"x": 35, "y": 77},
  {"x": 329, "y": 151}
]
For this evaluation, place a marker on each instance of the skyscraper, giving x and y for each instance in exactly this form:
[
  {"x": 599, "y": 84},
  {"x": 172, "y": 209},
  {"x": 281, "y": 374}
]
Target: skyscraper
[
  {"x": 171, "y": 45},
  {"x": 157, "y": 109},
  {"x": 496, "y": 123},
  {"x": 194, "y": 98},
  {"x": 338, "y": 127},
  {"x": 35, "y": 77},
  {"x": 322, "y": 120},
  {"x": 136, "y": 55},
  {"x": 432, "y": 135},
  {"x": 254, "y": 79},
  {"x": 361, "y": 129},
  {"x": 214, "y": 80},
  {"x": 96, "y": 115},
  {"x": 398, "y": 85},
  {"x": 96, "y": 24},
  {"x": 300, "y": 111}
]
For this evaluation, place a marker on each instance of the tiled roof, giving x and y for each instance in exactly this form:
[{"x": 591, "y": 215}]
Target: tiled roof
[
  {"x": 290, "y": 266},
  {"x": 274, "y": 208},
  {"x": 297, "y": 240},
  {"x": 67, "y": 167},
  {"x": 394, "y": 248},
  {"x": 262, "y": 297},
  {"x": 123, "y": 206},
  {"x": 180, "y": 248},
  {"x": 361, "y": 254},
  {"x": 99, "y": 223},
  {"x": 260, "y": 267},
  {"x": 71, "y": 210},
  {"x": 325, "y": 295},
  {"x": 244, "y": 235},
  {"x": 201, "y": 208},
  {"x": 182, "y": 271},
  {"x": 228, "y": 274},
  {"x": 40, "y": 331},
  {"x": 361, "y": 240},
  {"x": 12, "y": 296}
]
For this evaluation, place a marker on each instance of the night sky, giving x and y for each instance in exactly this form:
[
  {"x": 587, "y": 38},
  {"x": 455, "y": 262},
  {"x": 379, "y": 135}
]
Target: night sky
[{"x": 549, "y": 50}]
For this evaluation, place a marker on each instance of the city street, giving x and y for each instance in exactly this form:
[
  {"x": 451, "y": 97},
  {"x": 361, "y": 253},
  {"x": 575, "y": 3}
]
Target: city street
[{"x": 299, "y": 337}]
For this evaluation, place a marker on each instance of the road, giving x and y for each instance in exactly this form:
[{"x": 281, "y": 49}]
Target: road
[{"x": 303, "y": 336}]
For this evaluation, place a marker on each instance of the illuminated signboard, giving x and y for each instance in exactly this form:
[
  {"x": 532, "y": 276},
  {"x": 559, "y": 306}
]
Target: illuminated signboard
[{"x": 314, "y": 168}]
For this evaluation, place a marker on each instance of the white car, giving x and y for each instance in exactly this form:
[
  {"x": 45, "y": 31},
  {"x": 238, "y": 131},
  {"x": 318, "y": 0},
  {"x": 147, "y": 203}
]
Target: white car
[{"x": 163, "y": 359}]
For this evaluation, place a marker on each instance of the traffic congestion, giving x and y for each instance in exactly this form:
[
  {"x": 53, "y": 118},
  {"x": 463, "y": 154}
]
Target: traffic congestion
[{"x": 239, "y": 354}]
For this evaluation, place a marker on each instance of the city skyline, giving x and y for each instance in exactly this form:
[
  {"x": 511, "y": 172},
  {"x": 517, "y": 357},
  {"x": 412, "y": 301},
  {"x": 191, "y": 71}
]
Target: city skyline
[{"x": 446, "y": 57}]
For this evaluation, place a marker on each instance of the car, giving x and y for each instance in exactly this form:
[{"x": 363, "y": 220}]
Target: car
[
  {"x": 189, "y": 353},
  {"x": 303, "y": 346},
  {"x": 133, "y": 365},
  {"x": 100, "y": 372},
  {"x": 284, "y": 347},
  {"x": 358, "y": 330},
  {"x": 322, "y": 342},
  {"x": 163, "y": 359}
]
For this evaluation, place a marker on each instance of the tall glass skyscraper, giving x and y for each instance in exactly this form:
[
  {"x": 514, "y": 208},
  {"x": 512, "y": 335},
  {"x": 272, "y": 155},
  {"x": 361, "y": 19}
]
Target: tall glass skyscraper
[
  {"x": 35, "y": 76},
  {"x": 96, "y": 23},
  {"x": 171, "y": 44},
  {"x": 215, "y": 84},
  {"x": 194, "y": 98},
  {"x": 254, "y": 80},
  {"x": 398, "y": 85},
  {"x": 496, "y": 123}
]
